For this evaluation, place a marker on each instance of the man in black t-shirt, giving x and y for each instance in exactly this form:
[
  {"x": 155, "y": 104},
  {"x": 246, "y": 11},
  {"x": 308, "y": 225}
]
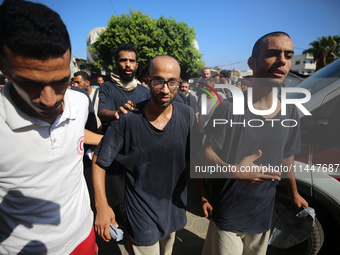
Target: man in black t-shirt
[
  {"x": 241, "y": 205},
  {"x": 151, "y": 144},
  {"x": 115, "y": 96},
  {"x": 122, "y": 87}
]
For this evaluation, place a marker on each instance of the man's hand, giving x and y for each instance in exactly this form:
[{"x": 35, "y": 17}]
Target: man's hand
[
  {"x": 207, "y": 208},
  {"x": 290, "y": 181},
  {"x": 106, "y": 115},
  {"x": 249, "y": 172},
  {"x": 123, "y": 109},
  {"x": 299, "y": 201},
  {"x": 104, "y": 217}
]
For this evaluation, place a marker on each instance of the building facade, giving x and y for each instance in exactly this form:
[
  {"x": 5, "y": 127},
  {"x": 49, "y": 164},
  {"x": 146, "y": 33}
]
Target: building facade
[{"x": 303, "y": 64}]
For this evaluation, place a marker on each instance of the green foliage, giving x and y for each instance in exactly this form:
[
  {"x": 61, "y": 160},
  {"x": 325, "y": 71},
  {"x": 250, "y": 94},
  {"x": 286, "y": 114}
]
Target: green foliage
[
  {"x": 151, "y": 37},
  {"x": 325, "y": 50}
]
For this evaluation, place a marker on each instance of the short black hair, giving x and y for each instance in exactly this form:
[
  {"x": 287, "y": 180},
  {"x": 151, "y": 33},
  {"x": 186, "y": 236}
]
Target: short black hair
[
  {"x": 257, "y": 46},
  {"x": 125, "y": 47},
  {"x": 83, "y": 74},
  {"x": 32, "y": 30},
  {"x": 225, "y": 73}
]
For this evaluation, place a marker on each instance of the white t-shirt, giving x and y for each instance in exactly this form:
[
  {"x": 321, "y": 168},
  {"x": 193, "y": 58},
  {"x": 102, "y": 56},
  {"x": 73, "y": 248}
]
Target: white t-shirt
[
  {"x": 44, "y": 201},
  {"x": 94, "y": 96}
]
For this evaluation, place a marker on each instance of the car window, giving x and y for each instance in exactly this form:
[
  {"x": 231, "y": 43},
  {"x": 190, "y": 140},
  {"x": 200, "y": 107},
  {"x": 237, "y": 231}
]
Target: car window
[{"x": 322, "y": 78}]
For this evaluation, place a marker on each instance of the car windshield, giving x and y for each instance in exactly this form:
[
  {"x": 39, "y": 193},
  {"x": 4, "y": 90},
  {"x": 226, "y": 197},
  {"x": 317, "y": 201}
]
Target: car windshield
[{"x": 322, "y": 78}]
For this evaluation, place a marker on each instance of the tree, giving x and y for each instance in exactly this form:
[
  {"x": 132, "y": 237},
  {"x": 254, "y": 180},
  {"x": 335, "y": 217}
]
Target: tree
[
  {"x": 325, "y": 50},
  {"x": 151, "y": 37}
]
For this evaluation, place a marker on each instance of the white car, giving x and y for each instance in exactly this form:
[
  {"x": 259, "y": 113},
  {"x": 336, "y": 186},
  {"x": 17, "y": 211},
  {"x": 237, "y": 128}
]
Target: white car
[{"x": 317, "y": 166}]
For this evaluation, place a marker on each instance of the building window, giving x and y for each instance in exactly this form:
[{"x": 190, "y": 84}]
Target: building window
[{"x": 297, "y": 62}]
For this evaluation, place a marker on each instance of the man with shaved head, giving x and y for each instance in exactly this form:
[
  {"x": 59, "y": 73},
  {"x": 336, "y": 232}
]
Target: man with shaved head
[
  {"x": 151, "y": 145},
  {"x": 241, "y": 205}
]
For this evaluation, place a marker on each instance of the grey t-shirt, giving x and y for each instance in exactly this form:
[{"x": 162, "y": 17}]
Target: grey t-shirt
[
  {"x": 241, "y": 206},
  {"x": 154, "y": 162}
]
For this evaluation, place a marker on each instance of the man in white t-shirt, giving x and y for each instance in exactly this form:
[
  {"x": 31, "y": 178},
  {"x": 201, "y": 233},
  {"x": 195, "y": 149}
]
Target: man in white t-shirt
[
  {"x": 82, "y": 81},
  {"x": 44, "y": 201}
]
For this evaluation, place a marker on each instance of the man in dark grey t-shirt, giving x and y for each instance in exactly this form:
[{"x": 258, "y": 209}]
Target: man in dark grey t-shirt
[
  {"x": 151, "y": 144},
  {"x": 241, "y": 205}
]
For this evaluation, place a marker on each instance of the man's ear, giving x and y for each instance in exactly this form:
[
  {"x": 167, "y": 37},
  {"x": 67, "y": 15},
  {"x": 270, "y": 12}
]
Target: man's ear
[
  {"x": 87, "y": 83},
  {"x": 252, "y": 63},
  {"x": 147, "y": 79}
]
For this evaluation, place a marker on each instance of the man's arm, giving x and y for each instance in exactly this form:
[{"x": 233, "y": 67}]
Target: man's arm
[
  {"x": 205, "y": 200},
  {"x": 259, "y": 174},
  {"x": 105, "y": 214},
  {"x": 289, "y": 178},
  {"x": 106, "y": 115},
  {"x": 91, "y": 138}
]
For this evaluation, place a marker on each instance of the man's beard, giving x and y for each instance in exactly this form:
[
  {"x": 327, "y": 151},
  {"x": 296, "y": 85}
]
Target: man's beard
[
  {"x": 126, "y": 77},
  {"x": 163, "y": 104}
]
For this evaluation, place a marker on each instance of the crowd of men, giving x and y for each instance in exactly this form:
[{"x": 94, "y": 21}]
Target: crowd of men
[{"x": 139, "y": 145}]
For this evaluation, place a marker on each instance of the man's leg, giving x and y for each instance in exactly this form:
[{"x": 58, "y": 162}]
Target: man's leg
[
  {"x": 220, "y": 242},
  {"x": 255, "y": 244},
  {"x": 143, "y": 250},
  {"x": 163, "y": 247},
  {"x": 166, "y": 244}
]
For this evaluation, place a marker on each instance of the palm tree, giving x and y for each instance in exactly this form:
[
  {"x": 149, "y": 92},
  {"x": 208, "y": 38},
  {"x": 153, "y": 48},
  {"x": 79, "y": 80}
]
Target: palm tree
[{"x": 325, "y": 50}]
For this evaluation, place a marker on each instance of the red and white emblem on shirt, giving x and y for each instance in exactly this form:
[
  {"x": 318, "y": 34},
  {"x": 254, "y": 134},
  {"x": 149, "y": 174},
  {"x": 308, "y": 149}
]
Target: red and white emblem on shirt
[{"x": 80, "y": 146}]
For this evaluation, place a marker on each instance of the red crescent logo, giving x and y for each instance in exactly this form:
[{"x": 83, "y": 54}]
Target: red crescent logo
[{"x": 80, "y": 146}]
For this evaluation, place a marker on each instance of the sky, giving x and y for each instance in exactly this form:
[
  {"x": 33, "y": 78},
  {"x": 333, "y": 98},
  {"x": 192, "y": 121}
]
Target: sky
[{"x": 226, "y": 30}]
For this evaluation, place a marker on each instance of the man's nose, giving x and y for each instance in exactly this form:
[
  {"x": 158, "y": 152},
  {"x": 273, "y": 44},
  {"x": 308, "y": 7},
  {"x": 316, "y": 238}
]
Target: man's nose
[
  {"x": 165, "y": 88},
  {"x": 48, "y": 96},
  {"x": 128, "y": 63},
  {"x": 282, "y": 58}
]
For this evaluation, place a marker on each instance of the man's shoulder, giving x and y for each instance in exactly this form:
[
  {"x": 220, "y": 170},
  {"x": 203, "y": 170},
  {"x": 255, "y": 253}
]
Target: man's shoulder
[
  {"x": 141, "y": 88},
  {"x": 181, "y": 105},
  {"x": 191, "y": 96},
  {"x": 183, "y": 109},
  {"x": 77, "y": 93},
  {"x": 94, "y": 92},
  {"x": 107, "y": 84}
]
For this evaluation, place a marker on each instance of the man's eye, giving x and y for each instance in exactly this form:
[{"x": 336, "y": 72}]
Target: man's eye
[
  {"x": 159, "y": 82},
  {"x": 271, "y": 54}
]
